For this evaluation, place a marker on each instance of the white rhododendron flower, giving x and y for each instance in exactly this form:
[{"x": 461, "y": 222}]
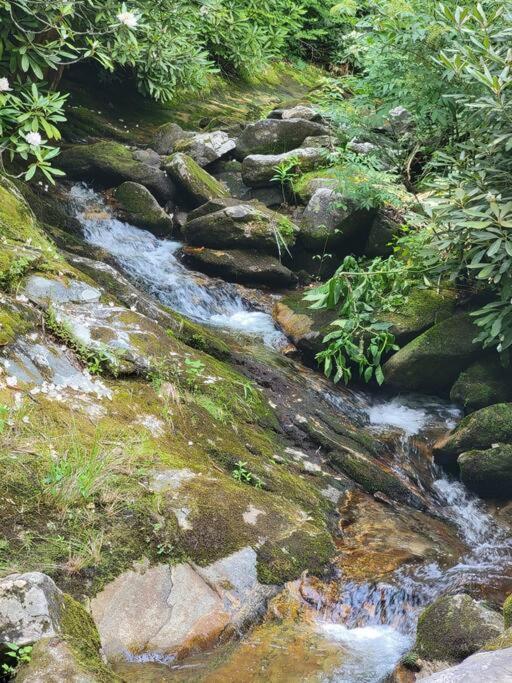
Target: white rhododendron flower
[
  {"x": 129, "y": 19},
  {"x": 4, "y": 85},
  {"x": 33, "y": 139}
]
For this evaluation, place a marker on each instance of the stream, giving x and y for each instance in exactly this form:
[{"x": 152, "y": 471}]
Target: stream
[{"x": 372, "y": 623}]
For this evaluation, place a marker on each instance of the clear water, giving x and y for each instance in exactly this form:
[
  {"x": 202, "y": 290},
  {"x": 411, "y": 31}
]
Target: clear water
[
  {"x": 152, "y": 263},
  {"x": 374, "y": 623}
]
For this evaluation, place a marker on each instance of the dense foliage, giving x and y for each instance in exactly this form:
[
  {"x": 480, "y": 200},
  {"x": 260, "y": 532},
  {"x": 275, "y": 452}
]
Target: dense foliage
[
  {"x": 449, "y": 65},
  {"x": 166, "y": 45}
]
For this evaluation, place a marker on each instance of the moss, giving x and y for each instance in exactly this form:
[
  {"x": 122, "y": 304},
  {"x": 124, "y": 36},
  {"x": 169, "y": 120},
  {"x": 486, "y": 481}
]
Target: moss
[
  {"x": 431, "y": 362},
  {"x": 12, "y": 324},
  {"x": 424, "y": 308},
  {"x": 200, "y": 338},
  {"x": 453, "y": 628},
  {"x": 307, "y": 183},
  {"x": 482, "y": 384},
  {"x": 411, "y": 661},
  {"x": 285, "y": 559},
  {"x": 507, "y": 612},
  {"x": 502, "y": 642},
  {"x": 488, "y": 473},
  {"x": 477, "y": 431},
  {"x": 197, "y": 183},
  {"x": 79, "y": 631}
]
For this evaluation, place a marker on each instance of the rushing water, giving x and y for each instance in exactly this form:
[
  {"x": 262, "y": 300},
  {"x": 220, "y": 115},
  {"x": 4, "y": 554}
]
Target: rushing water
[
  {"x": 152, "y": 263},
  {"x": 373, "y": 623}
]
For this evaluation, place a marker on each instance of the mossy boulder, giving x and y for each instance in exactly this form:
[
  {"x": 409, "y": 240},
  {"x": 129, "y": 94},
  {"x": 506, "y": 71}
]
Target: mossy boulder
[
  {"x": 274, "y": 136},
  {"x": 479, "y": 431},
  {"x": 235, "y": 265},
  {"x": 331, "y": 224},
  {"x": 423, "y": 309},
  {"x": 258, "y": 170},
  {"x": 167, "y": 136},
  {"x": 384, "y": 229},
  {"x": 432, "y": 362},
  {"x": 507, "y": 612},
  {"x": 136, "y": 205},
  {"x": 111, "y": 163},
  {"x": 196, "y": 184},
  {"x": 484, "y": 383},
  {"x": 247, "y": 225},
  {"x": 488, "y": 473},
  {"x": 454, "y": 627},
  {"x": 307, "y": 184}
]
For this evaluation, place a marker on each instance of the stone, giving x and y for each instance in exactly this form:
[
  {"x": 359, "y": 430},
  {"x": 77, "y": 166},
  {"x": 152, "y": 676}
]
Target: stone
[
  {"x": 507, "y": 612},
  {"x": 167, "y": 136},
  {"x": 43, "y": 290},
  {"x": 480, "y": 667},
  {"x": 52, "y": 661},
  {"x": 423, "y": 309},
  {"x": 330, "y": 223},
  {"x": 307, "y": 184},
  {"x": 484, "y": 383},
  {"x": 235, "y": 265},
  {"x": 259, "y": 169},
  {"x": 244, "y": 225},
  {"x": 488, "y": 473},
  {"x": 361, "y": 147},
  {"x": 478, "y": 431},
  {"x": 173, "y": 611},
  {"x": 431, "y": 362},
  {"x": 323, "y": 141},
  {"x": 301, "y": 111},
  {"x": 110, "y": 163},
  {"x": 30, "y": 608},
  {"x": 147, "y": 156},
  {"x": 137, "y": 206},
  {"x": 274, "y": 136},
  {"x": 454, "y": 627},
  {"x": 205, "y": 148},
  {"x": 383, "y": 231},
  {"x": 197, "y": 185}
]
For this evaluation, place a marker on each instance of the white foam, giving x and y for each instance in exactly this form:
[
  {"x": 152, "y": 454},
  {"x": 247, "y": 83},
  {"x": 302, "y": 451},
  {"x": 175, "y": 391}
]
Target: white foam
[
  {"x": 372, "y": 652},
  {"x": 152, "y": 263},
  {"x": 412, "y": 414}
]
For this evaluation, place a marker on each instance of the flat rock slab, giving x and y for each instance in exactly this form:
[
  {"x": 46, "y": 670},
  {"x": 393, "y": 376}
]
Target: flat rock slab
[
  {"x": 169, "y": 612},
  {"x": 274, "y": 136},
  {"x": 259, "y": 169},
  {"x": 483, "y": 666}
]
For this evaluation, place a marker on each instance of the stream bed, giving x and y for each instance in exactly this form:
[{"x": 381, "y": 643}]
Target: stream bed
[{"x": 359, "y": 635}]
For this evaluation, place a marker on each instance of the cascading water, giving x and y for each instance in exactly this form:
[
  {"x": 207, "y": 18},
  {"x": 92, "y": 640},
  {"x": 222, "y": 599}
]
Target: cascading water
[
  {"x": 152, "y": 263},
  {"x": 374, "y": 624}
]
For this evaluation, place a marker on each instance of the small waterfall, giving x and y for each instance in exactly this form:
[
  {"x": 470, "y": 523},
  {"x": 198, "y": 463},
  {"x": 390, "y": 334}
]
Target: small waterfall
[{"x": 152, "y": 263}]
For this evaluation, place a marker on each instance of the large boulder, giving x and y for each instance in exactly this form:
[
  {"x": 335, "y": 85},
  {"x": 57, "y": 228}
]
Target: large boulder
[
  {"x": 242, "y": 225},
  {"x": 301, "y": 111},
  {"x": 33, "y": 611},
  {"x": 431, "y": 362},
  {"x": 454, "y": 627},
  {"x": 173, "y": 611},
  {"x": 330, "y": 222},
  {"x": 136, "y": 205},
  {"x": 111, "y": 163},
  {"x": 479, "y": 431},
  {"x": 480, "y": 667},
  {"x": 488, "y": 473},
  {"x": 482, "y": 384},
  {"x": 167, "y": 136},
  {"x": 382, "y": 233},
  {"x": 205, "y": 148},
  {"x": 197, "y": 185},
  {"x": 273, "y": 136},
  {"x": 259, "y": 169},
  {"x": 235, "y": 265}
]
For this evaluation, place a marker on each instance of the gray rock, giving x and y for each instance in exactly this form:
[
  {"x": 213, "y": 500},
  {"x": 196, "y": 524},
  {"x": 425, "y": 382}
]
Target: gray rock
[
  {"x": 245, "y": 225},
  {"x": 137, "y": 206},
  {"x": 147, "y": 156},
  {"x": 43, "y": 290},
  {"x": 361, "y": 147},
  {"x": 206, "y": 148},
  {"x": 301, "y": 111},
  {"x": 325, "y": 141},
  {"x": 235, "y": 265},
  {"x": 259, "y": 169},
  {"x": 30, "y": 608},
  {"x": 274, "y": 136},
  {"x": 495, "y": 667},
  {"x": 382, "y": 233},
  {"x": 167, "y": 136},
  {"x": 329, "y": 222}
]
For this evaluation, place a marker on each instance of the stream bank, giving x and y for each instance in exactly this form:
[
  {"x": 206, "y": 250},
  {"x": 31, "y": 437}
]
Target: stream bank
[{"x": 161, "y": 452}]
